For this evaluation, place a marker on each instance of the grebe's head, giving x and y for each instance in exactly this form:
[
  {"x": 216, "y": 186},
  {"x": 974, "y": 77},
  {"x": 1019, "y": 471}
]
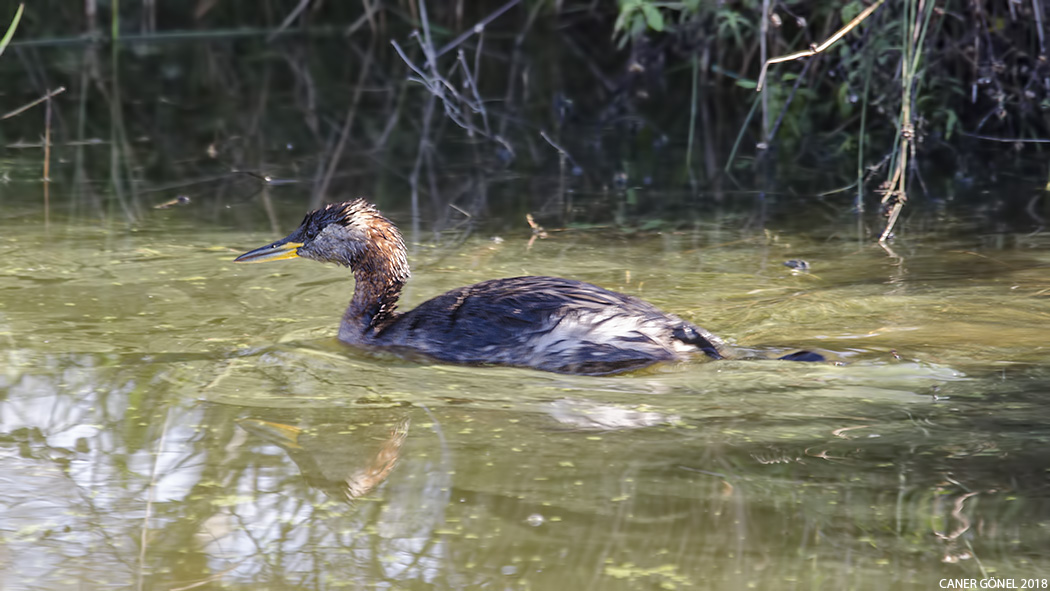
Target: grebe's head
[{"x": 352, "y": 233}]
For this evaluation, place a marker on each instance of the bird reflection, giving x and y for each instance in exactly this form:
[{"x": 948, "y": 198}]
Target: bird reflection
[
  {"x": 345, "y": 463},
  {"x": 587, "y": 415}
]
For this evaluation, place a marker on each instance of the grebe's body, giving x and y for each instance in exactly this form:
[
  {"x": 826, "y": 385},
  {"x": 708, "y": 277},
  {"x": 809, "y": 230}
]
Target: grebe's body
[{"x": 547, "y": 323}]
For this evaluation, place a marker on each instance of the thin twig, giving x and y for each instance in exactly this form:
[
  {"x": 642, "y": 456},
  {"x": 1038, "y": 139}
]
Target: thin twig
[
  {"x": 515, "y": 60},
  {"x": 151, "y": 497},
  {"x": 692, "y": 123},
  {"x": 47, "y": 163},
  {"x": 477, "y": 28},
  {"x": 478, "y": 107},
  {"x": 357, "y": 24},
  {"x": 560, "y": 149},
  {"x": 22, "y": 145},
  {"x": 428, "y": 45},
  {"x": 460, "y": 210},
  {"x": 394, "y": 116},
  {"x": 1007, "y": 140},
  {"x": 477, "y": 57},
  {"x": 370, "y": 10},
  {"x": 432, "y": 179},
  {"x": 858, "y": 202},
  {"x": 441, "y": 88},
  {"x": 563, "y": 157},
  {"x": 34, "y": 103},
  {"x": 557, "y": 147},
  {"x": 1037, "y": 10},
  {"x": 294, "y": 14},
  {"x": 413, "y": 179},
  {"x": 763, "y": 49},
  {"x": 407, "y": 61},
  {"x": 740, "y": 137},
  {"x": 772, "y": 132}
]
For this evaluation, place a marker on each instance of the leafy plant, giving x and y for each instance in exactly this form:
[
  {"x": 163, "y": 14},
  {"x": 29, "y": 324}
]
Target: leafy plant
[{"x": 636, "y": 16}]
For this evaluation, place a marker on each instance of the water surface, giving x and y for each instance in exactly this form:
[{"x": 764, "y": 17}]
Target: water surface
[{"x": 171, "y": 420}]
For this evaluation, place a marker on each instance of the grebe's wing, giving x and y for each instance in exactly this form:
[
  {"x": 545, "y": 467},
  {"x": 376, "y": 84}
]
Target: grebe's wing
[{"x": 549, "y": 323}]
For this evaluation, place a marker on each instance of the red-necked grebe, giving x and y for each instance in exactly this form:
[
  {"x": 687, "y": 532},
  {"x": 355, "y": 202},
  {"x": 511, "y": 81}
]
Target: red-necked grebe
[{"x": 547, "y": 323}]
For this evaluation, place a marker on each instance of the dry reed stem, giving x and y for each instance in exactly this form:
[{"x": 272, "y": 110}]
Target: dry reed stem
[
  {"x": 819, "y": 48},
  {"x": 897, "y": 185}
]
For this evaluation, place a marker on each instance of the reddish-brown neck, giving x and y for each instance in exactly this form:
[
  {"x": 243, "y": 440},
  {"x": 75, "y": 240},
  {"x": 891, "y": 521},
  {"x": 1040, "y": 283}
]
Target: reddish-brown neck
[{"x": 380, "y": 271}]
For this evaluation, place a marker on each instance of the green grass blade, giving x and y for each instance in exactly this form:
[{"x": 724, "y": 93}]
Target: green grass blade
[{"x": 11, "y": 30}]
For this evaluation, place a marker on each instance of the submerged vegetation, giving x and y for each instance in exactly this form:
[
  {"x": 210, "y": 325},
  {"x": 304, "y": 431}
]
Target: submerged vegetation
[{"x": 639, "y": 106}]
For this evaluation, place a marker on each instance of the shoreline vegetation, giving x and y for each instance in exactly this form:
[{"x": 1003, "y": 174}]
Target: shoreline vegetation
[{"x": 643, "y": 104}]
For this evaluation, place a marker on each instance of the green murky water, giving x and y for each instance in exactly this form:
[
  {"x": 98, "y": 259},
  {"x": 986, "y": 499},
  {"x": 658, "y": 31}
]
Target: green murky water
[{"x": 170, "y": 420}]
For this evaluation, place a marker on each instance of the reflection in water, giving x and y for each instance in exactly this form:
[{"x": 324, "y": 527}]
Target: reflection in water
[
  {"x": 338, "y": 459},
  {"x": 594, "y": 416},
  {"x": 719, "y": 489}
]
